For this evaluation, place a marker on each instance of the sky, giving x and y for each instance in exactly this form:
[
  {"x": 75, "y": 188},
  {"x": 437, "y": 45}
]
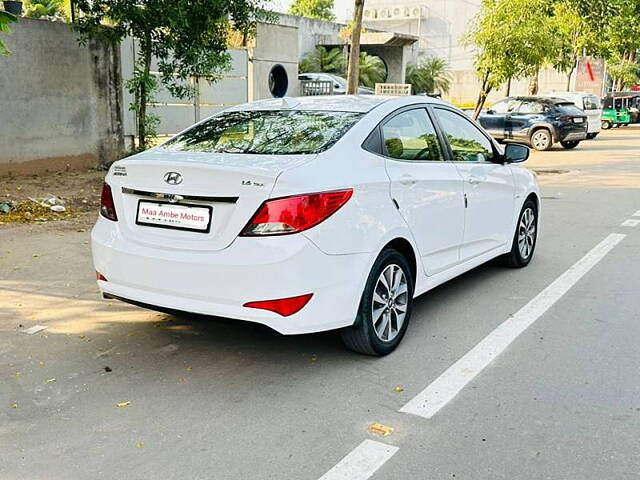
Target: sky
[{"x": 341, "y": 8}]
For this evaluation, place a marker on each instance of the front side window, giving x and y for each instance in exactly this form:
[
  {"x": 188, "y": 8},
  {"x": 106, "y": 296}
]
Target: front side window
[
  {"x": 410, "y": 135},
  {"x": 466, "y": 140},
  {"x": 285, "y": 132},
  {"x": 505, "y": 106}
]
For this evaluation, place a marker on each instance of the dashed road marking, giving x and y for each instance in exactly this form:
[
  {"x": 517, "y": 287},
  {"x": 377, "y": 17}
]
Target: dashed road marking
[
  {"x": 445, "y": 388},
  {"x": 361, "y": 462},
  {"x": 630, "y": 223}
]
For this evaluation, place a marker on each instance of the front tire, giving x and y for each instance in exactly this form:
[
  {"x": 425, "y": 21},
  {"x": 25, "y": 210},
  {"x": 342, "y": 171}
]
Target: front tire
[
  {"x": 525, "y": 237},
  {"x": 542, "y": 140},
  {"x": 385, "y": 307},
  {"x": 570, "y": 144}
]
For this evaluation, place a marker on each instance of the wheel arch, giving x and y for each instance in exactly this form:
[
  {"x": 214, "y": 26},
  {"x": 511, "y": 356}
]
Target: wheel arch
[{"x": 405, "y": 247}]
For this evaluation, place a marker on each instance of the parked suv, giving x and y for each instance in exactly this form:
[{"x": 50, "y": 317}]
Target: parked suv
[
  {"x": 589, "y": 104},
  {"x": 539, "y": 122}
]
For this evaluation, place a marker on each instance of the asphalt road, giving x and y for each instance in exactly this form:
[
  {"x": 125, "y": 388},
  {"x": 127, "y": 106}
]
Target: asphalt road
[{"x": 214, "y": 399}]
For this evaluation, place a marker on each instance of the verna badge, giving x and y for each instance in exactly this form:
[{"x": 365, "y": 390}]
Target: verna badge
[{"x": 173, "y": 178}]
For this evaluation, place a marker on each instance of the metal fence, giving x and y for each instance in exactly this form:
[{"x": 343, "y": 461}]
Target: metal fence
[
  {"x": 316, "y": 87},
  {"x": 393, "y": 89}
]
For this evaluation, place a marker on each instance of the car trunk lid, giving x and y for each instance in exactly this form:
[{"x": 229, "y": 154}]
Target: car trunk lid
[{"x": 228, "y": 187}]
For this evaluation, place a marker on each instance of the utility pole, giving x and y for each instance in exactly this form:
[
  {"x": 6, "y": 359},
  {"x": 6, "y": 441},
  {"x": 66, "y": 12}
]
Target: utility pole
[{"x": 353, "y": 72}]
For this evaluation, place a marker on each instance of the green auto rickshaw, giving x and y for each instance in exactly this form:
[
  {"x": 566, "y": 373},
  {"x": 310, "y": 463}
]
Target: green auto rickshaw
[{"x": 615, "y": 112}]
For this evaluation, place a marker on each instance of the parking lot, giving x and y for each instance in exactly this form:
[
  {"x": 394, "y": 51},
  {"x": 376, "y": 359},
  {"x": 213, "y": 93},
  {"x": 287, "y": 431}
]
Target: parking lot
[{"x": 114, "y": 391}]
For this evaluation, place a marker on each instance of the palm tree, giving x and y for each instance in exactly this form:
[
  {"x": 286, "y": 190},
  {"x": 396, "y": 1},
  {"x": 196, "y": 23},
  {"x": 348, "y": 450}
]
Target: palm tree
[
  {"x": 429, "y": 76},
  {"x": 323, "y": 60},
  {"x": 372, "y": 70}
]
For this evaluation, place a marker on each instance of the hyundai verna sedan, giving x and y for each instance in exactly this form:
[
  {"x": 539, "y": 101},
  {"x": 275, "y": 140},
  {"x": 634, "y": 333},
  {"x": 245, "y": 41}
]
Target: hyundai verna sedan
[
  {"x": 314, "y": 214},
  {"x": 536, "y": 121}
]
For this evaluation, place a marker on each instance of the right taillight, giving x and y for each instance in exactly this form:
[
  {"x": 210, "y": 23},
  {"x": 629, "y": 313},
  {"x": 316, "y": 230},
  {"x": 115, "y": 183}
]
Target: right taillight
[
  {"x": 295, "y": 214},
  {"x": 107, "y": 207}
]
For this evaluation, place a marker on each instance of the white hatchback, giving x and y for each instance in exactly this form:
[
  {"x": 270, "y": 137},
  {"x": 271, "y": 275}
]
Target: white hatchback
[{"x": 314, "y": 213}]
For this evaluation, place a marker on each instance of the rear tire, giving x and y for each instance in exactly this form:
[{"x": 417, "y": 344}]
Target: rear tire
[
  {"x": 541, "y": 139},
  {"x": 570, "y": 144},
  {"x": 384, "y": 313},
  {"x": 524, "y": 238},
  {"x": 606, "y": 124}
]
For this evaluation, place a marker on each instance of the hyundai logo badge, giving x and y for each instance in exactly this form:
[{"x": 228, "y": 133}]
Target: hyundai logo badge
[{"x": 173, "y": 178}]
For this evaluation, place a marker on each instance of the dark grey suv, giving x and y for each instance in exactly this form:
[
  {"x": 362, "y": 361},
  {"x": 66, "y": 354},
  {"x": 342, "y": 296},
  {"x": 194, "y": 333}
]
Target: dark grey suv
[{"x": 538, "y": 122}]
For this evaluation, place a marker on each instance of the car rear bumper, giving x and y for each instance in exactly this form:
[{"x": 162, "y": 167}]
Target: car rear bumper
[
  {"x": 220, "y": 282},
  {"x": 572, "y": 133}
]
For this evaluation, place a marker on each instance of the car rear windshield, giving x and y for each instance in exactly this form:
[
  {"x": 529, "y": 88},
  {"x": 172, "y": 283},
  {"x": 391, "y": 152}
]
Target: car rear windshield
[
  {"x": 285, "y": 132},
  {"x": 568, "y": 109},
  {"x": 591, "y": 103}
]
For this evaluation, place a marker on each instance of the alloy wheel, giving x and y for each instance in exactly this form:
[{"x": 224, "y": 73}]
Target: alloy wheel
[
  {"x": 527, "y": 233},
  {"x": 540, "y": 140},
  {"x": 389, "y": 303}
]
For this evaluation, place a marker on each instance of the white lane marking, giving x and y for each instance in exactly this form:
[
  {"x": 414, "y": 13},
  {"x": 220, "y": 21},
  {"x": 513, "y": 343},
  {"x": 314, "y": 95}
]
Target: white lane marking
[
  {"x": 362, "y": 462},
  {"x": 444, "y": 388},
  {"x": 630, "y": 223},
  {"x": 637, "y": 214}
]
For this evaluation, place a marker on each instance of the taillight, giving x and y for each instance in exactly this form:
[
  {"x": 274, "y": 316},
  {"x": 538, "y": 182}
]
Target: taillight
[
  {"x": 107, "y": 207},
  {"x": 101, "y": 277},
  {"x": 282, "y": 306},
  {"x": 295, "y": 214}
]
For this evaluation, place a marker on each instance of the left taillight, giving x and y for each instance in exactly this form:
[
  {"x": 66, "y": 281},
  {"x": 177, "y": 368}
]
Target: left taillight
[
  {"x": 295, "y": 214},
  {"x": 107, "y": 207}
]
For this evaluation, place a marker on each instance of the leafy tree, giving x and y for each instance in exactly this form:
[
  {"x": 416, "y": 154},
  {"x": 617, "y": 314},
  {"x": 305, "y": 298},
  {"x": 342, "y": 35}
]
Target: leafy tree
[
  {"x": 52, "y": 9},
  {"x": 371, "y": 70},
  {"x": 187, "y": 38},
  {"x": 323, "y": 60},
  {"x": 429, "y": 76},
  {"x": 5, "y": 20},
  {"x": 514, "y": 39},
  {"x": 574, "y": 36},
  {"x": 317, "y": 9}
]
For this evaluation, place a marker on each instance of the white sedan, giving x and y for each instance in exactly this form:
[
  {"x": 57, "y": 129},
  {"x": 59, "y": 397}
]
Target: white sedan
[{"x": 314, "y": 213}]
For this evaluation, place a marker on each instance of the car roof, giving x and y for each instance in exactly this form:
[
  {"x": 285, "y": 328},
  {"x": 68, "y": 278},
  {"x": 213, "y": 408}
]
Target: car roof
[
  {"x": 333, "y": 103},
  {"x": 540, "y": 99}
]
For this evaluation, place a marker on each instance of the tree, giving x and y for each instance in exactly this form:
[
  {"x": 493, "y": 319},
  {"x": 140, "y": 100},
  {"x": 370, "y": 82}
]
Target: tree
[
  {"x": 323, "y": 60},
  {"x": 51, "y": 9},
  {"x": 317, "y": 9},
  {"x": 353, "y": 73},
  {"x": 5, "y": 20},
  {"x": 186, "y": 38},
  {"x": 371, "y": 70},
  {"x": 514, "y": 40},
  {"x": 429, "y": 76},
  {"x": 574, "y": 36}
]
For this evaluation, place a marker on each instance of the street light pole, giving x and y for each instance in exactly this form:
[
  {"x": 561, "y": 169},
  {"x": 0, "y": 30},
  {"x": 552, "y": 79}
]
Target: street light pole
[{"x": 353, "y": 72}]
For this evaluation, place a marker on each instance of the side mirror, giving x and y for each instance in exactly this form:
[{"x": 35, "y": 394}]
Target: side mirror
[{"x": 516, "y": 153}]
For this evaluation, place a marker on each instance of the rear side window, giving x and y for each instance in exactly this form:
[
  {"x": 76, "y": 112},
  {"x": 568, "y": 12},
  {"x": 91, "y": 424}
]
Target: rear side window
[
  {"x": 467, "y": 142},
  {"x": 568, "y": 109},
  {"x": 410, "y": 135},
  {"x": 286, "y": 132},
  {"x": 531, "y": 107}
]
